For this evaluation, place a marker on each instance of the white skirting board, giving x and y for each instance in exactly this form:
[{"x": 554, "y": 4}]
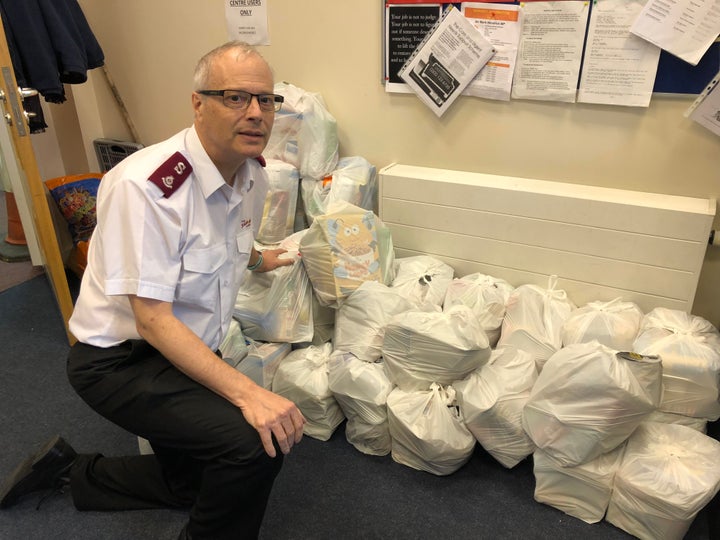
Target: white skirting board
[{"x": 602, "y": 243}]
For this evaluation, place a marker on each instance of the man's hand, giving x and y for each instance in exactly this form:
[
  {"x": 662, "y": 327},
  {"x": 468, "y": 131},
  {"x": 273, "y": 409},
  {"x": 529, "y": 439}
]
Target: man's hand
[
  {"x": 272, "y": 259},
  {"x": 271, "y": 414}
]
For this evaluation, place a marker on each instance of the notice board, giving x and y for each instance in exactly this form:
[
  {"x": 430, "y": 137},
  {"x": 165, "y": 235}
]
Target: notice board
[{"x": 406, "y": 22}]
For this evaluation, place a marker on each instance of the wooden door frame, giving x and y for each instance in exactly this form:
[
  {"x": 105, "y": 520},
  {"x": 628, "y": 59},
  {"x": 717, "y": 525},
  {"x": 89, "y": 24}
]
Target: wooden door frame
[{"x": 11, "y": 102}]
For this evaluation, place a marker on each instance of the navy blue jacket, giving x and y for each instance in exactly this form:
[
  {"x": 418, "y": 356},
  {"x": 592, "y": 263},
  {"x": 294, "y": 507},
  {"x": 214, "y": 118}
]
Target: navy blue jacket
[{"x": 50, "y": 43}]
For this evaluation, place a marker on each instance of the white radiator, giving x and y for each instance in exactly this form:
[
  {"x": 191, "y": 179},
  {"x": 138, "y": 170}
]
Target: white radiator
[{"x": 601, "y": 243}]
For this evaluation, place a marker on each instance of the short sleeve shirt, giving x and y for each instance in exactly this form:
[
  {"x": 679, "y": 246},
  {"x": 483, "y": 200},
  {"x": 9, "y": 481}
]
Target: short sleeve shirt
[{"x": 190, "y": 247}]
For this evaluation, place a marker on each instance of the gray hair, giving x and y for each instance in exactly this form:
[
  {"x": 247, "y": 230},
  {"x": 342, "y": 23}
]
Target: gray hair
[{"x": 204, "y": 65}]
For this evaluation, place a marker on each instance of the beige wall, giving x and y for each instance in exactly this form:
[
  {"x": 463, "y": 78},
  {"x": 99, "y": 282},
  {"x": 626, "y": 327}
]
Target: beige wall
[{"x": 333, "y": 47}]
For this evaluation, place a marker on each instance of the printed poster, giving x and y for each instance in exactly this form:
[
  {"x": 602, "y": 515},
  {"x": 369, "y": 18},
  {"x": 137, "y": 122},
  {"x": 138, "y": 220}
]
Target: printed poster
[{"x": 247, "y": 21}]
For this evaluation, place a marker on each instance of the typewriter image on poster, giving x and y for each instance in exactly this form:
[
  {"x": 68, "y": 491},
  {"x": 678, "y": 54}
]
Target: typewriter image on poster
[{"x": 432, "y": 77}]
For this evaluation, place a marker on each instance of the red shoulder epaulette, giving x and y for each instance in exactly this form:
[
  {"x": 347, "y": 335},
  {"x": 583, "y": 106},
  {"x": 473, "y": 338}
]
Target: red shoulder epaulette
[
  {"x": 171, "y": 174},
  {"x": 261, "y": 161}
]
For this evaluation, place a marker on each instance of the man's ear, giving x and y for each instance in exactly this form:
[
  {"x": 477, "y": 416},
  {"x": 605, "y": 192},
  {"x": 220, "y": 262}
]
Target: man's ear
[{"x": 196, "y": 100}]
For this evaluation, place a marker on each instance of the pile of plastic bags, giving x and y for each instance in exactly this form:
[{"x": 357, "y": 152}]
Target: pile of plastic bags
[{"x": 610, "y": 403}]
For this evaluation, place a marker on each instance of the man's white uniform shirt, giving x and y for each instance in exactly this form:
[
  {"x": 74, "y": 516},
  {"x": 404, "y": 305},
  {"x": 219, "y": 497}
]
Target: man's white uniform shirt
[{"x": 190, "y": 248}]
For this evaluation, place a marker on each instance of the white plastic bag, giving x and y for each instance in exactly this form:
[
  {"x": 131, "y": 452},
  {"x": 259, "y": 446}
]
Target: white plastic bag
[
  {"x": 690, "y": 350},
  {"x": 342, "y": 249},
  {"x": 323, "y": 322},
  {"x": 421, "y": 348},
  {"x": 614, "y": 324},
  {"x": 361, "y": 389},
  {"x": 582, "y": 491},
  {"x": 486, "y": 296},
  {"x": 491, "y": 401},
  {"x": 698, "y": 424},
  {"x": 315, "y": 195},
  {"x": 302, "y": 377},
  {"x": 262, "y": 361},
  {"x": 361, "y": 320},
  {"x": 667, "y": 475},
  {"x": 304, "y": 133},
  {"x": 589, "y": 399},
  {"x": 283, "y": 142},
  {"x": 276, "y": 306},
  {"x": 318, "y": 142},
  {"x": 371, "y": 439},
  {"x": 427, "y": 430},
  {"x": 422, "y": 279},
  {"x": 280, "y": 202},
  {"x": 354, "y": 181},
  {"x": 323, "y": 317},
  {"x": 533, "y": 319}
]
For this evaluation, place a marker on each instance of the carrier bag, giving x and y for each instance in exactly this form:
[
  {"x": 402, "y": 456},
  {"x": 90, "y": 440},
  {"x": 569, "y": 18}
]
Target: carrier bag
[
  {"x": 486, "y": 296},
  {"x": 361, "y": 388},
  {"x": 533, "y": 319},
  {"x": 491, "y": 401},
  {"x": 667, "y": 475},
  {"x": 278, "y": 218},
  {"x": 361, "y": 320},
  {"x": 343, "y": 249},
  {"x": 615, "y": 324},
  {"x": 589, "y": 399},
  {"x": 422, "y": 279},
  {"x": 302, "y": 377},
  {"x": 582, "y": 491},
  {"x": 698, "y": 424},
  {"x": 427, "y": 430},
  {"x": 690, "y": 350},
  {"x": 421, "y": 348},
  {"x": 304, "y": 133},
  {"x": 276, "y": 306},
  {"x": 353, "y": 181},
  {"x": 262, "y": 361}
]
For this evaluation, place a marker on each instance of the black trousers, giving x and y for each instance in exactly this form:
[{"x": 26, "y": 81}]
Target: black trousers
[{"x": 207, "y": 457}]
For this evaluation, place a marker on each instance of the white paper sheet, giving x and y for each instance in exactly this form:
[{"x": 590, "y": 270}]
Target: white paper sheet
[
  {"x": 619, "y": 68},
  {"x": 446, "y": 61},
  {"x": 685, "y": 28},
  {"x": 500, "y": 24},
  {"x": 246, "y": 20},
  {"x": 550, "y": 52},
  {"x": 706, "y": 108}
]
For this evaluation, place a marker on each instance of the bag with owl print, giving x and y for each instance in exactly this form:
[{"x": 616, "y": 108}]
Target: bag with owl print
[{"x": 343, "y": 249}]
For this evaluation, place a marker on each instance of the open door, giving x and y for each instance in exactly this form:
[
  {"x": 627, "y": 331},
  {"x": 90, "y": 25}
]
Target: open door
[{"x": 14, "y": 115}]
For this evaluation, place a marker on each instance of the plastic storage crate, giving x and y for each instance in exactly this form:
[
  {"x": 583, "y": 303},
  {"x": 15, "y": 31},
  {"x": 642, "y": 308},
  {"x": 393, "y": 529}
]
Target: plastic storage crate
[{"x": 110, "y": 152}]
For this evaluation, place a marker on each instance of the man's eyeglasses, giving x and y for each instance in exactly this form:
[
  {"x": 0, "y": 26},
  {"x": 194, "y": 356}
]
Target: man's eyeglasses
[{"x": 239, "y": 99}]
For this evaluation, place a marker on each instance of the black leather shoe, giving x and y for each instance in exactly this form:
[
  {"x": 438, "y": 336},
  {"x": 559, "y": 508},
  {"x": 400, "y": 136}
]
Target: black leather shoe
[{"x": 48, "y": 469}]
